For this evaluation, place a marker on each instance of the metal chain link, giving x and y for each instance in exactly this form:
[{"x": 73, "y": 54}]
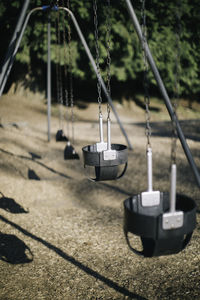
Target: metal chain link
[
  {"x": 66, "y": 94},
  {"x": 145, "y": 78},
  {"x": 57, "y": 79},
  {"x": 96, "y": 33},
  {"x": 176, "y": 79},
  {"x": 70, "y": 73},
  {"x": 58, "y": 71},
  {"x": 108, "y": 42}
]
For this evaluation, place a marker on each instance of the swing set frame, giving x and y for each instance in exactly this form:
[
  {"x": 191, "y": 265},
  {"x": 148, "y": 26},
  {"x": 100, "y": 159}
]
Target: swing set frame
[{"x": 9, "y": 59}]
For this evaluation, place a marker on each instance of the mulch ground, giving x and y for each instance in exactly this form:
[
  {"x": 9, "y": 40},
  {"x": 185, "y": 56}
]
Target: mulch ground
[{"x": 61, "y": 235}]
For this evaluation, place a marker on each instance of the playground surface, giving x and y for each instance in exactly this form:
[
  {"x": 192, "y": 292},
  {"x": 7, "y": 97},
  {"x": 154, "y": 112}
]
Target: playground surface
[{"x": 61, "y": 235}]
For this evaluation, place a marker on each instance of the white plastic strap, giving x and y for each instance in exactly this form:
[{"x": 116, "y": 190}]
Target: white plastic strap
[
  {"x": 150, "y": 197},
  {"x": 101, "y": 127},
  {"x": 149, "y": 170},
  {"x": 173, "y": 189},
  {"x": 109, "y": 154},
  {"x": 101, "y": 146},
  {"x": 172, "y": 219},
  {"x": 108, "y": 135}
]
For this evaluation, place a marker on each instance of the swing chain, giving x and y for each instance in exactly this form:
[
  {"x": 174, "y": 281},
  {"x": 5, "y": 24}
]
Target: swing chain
[
  {"x": 176, "y": 79},
  {"x": 108, "y": 42},
  {"x": 58, "y": 70},
  {"x": 66, "y": 94},
  {"x": 70, "y": 73},
  {"x": 96, "y": 32},
  {"x": 59, "y": 66},
  {"x": 57, "y": 77},
  {"x": 145, "y": 76}
]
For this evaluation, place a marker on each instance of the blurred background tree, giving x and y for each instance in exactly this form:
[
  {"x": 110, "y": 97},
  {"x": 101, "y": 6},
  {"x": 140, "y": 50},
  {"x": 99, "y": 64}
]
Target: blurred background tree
[{"x": 126, "y": 53}]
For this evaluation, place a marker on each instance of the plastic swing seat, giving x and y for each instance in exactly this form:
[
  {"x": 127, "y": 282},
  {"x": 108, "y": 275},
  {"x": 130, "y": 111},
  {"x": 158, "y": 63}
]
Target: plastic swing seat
[
  {"x": 60, "y": 137},
  {"x": 70, "y": 153},
  {"x": 106, "y": 169},
  {"x": 147, "y": 222}
]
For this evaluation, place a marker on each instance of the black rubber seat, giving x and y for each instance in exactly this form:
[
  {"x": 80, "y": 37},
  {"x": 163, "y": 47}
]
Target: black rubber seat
[
  {"x": 146, "y": 222},
  {"x": 106, "y": 169},
  {"x": 60, "y": 137},
  {"x": 70, "y": 153}
]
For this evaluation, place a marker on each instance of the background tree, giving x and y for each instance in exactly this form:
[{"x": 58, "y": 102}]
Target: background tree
[{"x": 126, "y": 54}]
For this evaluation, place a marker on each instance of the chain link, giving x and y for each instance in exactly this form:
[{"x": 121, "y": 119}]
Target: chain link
[
  {"x": 145, "y": 77},
  {"x": 70, "y": 73},
  {"x": 176, "y": 79},
  {"x": 57, "y": 77},
  {"x": 108, "y": 42},
  {"x": 96, "y": 34},
  {"x": 59, "y": 70},
  {"x": 66, "y": 94}
]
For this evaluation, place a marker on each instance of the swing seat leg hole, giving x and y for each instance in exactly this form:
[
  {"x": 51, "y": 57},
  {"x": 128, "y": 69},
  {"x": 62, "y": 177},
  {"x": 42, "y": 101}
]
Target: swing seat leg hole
[
  {"x": 134, "y": 243},
  {"x": 99, "y": 173},
  {"x": 104, "y": 173}
]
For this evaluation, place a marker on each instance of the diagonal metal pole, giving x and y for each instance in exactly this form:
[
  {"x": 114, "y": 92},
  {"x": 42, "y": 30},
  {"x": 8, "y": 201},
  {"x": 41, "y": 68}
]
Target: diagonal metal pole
[
  {"x": 97, "y": 73},
  {"x": 17, "y": 44},
  {"x": 5, "y": 69},
  {"x": 16, "y": 48},
  {"x": 164, "y": 93}
]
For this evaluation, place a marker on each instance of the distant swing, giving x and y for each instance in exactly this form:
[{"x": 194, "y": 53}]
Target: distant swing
[
  {"x": 60, "y": 136},
  {"x": 69, "y": 151}
]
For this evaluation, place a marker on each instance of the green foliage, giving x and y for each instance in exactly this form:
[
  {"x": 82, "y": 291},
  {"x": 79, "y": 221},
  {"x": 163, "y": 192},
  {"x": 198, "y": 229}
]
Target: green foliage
[{"x": 126, "y": 52}]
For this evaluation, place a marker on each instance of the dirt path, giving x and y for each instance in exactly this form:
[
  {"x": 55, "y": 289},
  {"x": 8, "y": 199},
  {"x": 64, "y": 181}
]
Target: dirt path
[{"x": 61, "y": 235}]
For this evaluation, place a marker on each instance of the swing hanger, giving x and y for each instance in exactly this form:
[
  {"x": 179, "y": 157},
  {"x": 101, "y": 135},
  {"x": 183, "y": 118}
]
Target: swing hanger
[
  {"x": 69, "y": 151},
  {"x": 105, "y": 157},
  {"x": 164, "y": 221},
  {"x": 60, "y": 136},
  {"x": 62, "y": 75},
  {"x": 149, "y": 197},
  {"x": 101, "y": 145}
]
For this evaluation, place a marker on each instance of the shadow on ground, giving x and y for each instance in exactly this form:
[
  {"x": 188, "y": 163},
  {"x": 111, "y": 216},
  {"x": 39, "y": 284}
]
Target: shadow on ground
[
  {"x": 10, "y": 205},
  {"x": 10, "y": 241},
  {"x": 13, "y": 250},
  {"x": 31, "y": 173}
]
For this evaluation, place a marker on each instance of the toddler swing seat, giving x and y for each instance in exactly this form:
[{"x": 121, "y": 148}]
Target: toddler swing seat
[
  {"x": 106, "y": 169},
  {"x": 148, "y": 223}
]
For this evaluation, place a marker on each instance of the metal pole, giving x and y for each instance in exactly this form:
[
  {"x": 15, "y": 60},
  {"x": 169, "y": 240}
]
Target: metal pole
[
  {"x": 10, "y": 51},
  {"x": 164, "y": 93},
  {"x": 49, "y": 79},
  {"x": 16, "y": 48},
  {"x": 98, "y": 75}
]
